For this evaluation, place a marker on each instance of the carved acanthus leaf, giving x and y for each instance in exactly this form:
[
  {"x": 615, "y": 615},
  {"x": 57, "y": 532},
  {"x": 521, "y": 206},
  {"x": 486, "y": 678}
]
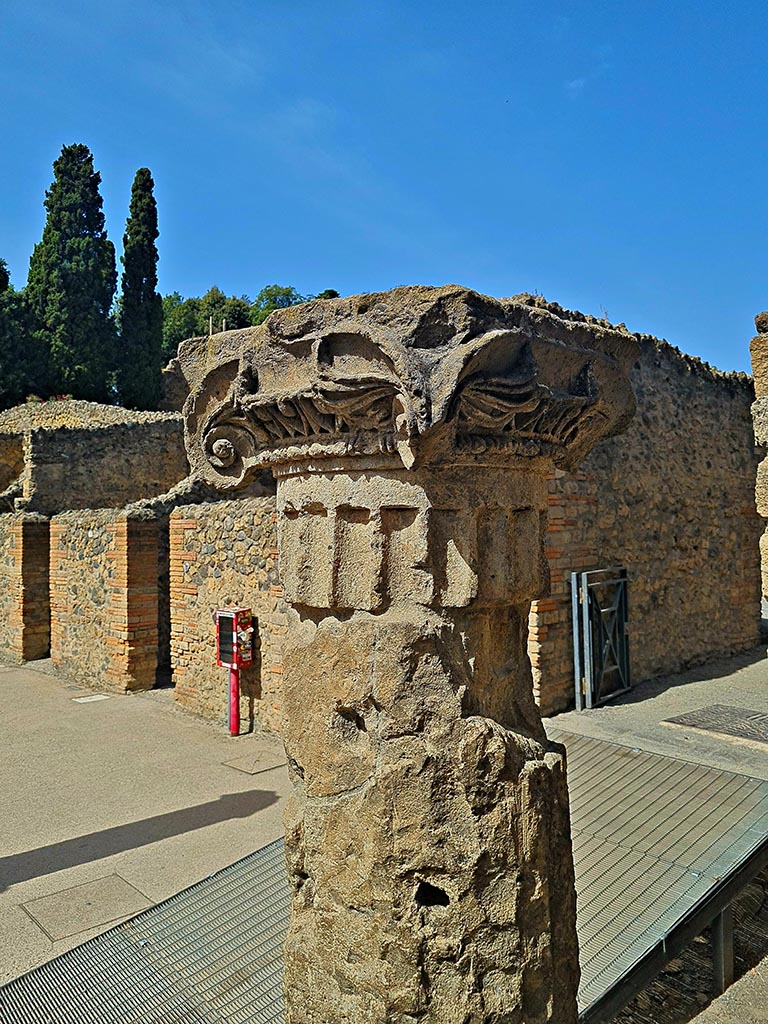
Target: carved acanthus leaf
[
  {"x": 324, "y": 410},
  {"x": 491, "y": 405}
]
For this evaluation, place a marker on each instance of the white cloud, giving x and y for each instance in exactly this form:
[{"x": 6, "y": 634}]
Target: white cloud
[{"x": 576, "y": 86}]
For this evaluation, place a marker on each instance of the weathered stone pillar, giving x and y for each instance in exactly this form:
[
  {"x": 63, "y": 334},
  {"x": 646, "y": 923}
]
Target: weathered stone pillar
[
  {"x": 759, "y": 352},
  {"x": 428, "y": 835}
]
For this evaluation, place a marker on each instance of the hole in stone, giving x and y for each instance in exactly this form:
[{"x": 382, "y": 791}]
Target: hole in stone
[
  {"x": 353, "y": 717},
  {"x": 428, "y": 895}
]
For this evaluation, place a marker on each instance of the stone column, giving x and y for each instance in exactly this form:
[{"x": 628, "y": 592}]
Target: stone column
[
  {"x": 759, "y": 352},
  {"x": 428, "y": 836}
]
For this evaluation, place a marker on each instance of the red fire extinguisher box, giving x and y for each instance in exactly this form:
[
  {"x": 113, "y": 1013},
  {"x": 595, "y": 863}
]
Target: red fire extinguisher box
[{"x": 234, "y": 637}]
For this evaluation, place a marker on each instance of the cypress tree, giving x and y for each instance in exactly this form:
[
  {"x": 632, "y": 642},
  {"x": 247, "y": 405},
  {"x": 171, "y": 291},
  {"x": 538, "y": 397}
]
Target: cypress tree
[
  {"x": 72, "y": 280},
  {"x": 141, "y": 308},
  {"x": 18, "y": 364}
]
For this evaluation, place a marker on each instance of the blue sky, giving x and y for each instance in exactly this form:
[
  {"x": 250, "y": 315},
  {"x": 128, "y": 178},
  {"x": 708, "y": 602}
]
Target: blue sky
[{"x": 609, "y": 155}]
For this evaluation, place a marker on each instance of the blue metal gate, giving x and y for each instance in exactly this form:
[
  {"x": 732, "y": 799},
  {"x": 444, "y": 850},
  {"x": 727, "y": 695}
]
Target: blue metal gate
[{"x": 600, "y": 635}]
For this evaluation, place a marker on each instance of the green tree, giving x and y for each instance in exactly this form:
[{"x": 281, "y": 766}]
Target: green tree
[
  {"x": 272, "y": 297},
  {"x": 186, "y": 318},
  {"x": 141, "y": 308},
  {"x": 223, "y": 310},
  {"x": 17, "y": 357},
  {"x": 72, "y": 279},
  {"x": 180, "y": 317}
]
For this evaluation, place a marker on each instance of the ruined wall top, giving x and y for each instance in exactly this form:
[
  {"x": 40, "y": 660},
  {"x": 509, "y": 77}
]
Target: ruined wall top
[
  {"x": 758, "y": 349},
  {"x": 72, "y": 413},
  {"x": 426, "y": 374},
  {"x": 692, "y": 364}
]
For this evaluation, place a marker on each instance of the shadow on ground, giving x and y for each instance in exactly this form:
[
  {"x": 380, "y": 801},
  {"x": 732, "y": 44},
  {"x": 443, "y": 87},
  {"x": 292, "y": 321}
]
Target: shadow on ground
[
  {"x": 713, "y": 670},
  {"x": 45, "y": 860}
]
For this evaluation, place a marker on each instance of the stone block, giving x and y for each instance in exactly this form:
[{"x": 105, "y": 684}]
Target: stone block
[
  {"x": 760, "y": 419},
  {"x": 758, "y": 350}
]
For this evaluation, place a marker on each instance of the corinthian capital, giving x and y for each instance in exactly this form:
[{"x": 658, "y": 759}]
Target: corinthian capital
[{"x": 426, "y": 374}]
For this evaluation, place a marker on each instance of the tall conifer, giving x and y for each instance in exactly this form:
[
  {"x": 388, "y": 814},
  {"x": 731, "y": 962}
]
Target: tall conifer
[
  {"x": 72, "y": 280},
  {"x": 141, "y": 308},
  {"x": 17, "y": 363}
]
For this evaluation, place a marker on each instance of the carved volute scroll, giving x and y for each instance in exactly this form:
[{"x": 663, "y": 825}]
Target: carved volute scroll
[{"x": 427, "y": 836}]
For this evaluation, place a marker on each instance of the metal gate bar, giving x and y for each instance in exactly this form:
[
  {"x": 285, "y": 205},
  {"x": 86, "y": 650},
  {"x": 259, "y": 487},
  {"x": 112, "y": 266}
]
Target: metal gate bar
[{"x": 600, "y": 615}]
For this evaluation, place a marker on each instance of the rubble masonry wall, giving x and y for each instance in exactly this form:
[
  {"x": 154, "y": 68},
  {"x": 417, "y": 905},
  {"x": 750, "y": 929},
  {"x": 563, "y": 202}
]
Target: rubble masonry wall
[
  {"x": 225, "y": 553},
  {"x": 102, "y": 467},
  {"x": 104, "y": 598},
  {"x": 672, "y": 500}
]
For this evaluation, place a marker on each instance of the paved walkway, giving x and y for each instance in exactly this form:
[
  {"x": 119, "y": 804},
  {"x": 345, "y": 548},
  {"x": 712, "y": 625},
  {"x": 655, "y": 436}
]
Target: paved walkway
[
  {"x": 108, "y": 806},
  {"x": 638, "y": 718}
]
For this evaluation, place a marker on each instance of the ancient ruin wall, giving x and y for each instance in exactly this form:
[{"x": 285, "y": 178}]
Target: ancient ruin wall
[
  {"x": 24, "y": 603},
  {"x": 221, "y": 554},
  {"x": 101, "y": 467},
  {"x": 73, "y": 413},
  {"x": 103, "y": 576},
  {"x": 11, "y": 458},
  {"x": 673, "y": 501}
]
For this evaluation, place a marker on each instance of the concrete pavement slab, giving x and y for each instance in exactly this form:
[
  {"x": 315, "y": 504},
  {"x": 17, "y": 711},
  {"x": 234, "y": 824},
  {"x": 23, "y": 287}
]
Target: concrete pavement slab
[
  {"x": 638, "y": 718},
  {"x": 86, "y": 906},
  {"x": 128, "y": 786},
  {"x": 257, "y": 761}
]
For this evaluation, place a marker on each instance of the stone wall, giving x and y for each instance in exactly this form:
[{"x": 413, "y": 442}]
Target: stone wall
[
  {"x": 672, "y": 501},
  {"x": 62, "y": 455},
  {"x": 73, "y": 413},
  {"x": 11, "y": 459},
  {"x": 222, "y": 554},
  {"x": 24, "y": 601},
  {"x": 102, "y": 467},
  {"x": 104, "y": 605}
]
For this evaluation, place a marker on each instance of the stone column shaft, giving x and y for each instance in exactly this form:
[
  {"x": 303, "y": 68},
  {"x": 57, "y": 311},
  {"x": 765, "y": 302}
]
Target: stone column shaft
[{"x": 420, "y": 839}]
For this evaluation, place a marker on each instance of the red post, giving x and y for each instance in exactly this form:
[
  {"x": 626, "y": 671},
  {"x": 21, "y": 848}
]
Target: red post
[
  {"x": 234, "y": 649},
  {"x": 234, "y": 701}
]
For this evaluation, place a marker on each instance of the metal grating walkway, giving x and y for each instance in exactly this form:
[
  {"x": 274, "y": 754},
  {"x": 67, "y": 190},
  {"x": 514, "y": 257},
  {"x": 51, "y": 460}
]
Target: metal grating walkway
[
  {"x": 660, "y": 847},
  {"x": 208, "y": 955}
]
